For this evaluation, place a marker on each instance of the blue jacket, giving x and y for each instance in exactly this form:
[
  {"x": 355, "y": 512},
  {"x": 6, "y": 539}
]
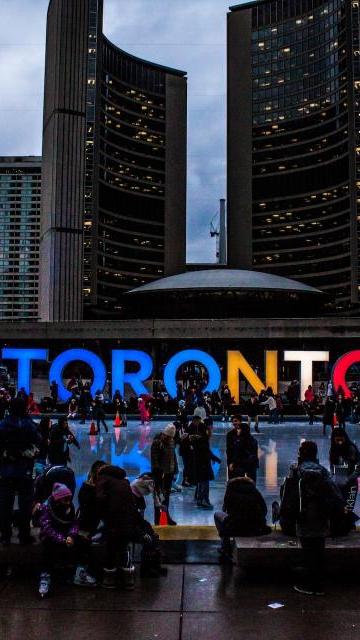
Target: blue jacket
[{"x": 19, "y": 442}]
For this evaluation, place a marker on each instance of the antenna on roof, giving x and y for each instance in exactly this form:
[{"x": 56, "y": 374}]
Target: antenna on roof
[{"x": 218, "y": 231}]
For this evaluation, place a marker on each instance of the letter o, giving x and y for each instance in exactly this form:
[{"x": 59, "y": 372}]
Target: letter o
[
  {"x": 340, "y": 368},
  {"x": 84, "y": 355},
  {"x": 191, "y": 355}
]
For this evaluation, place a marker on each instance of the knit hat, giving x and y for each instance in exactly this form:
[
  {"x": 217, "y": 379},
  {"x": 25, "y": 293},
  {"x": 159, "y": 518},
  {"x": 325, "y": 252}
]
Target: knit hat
[
  {"x": 60, "y": 491},
  {"x": 170, "y": 430}
]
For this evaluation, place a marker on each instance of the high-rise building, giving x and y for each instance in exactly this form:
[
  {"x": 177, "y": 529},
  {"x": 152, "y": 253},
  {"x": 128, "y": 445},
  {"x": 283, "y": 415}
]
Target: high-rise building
[
  {"x": 114, "y": 168},
  {"x": 294, "y": 142},
  {"x": 20, "y": 196}
]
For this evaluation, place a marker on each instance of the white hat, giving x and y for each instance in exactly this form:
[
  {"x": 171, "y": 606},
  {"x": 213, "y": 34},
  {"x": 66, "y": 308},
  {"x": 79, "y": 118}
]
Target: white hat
[{"x": 170, "y": 430}]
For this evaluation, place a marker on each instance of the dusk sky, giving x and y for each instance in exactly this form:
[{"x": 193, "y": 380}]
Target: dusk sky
[{"x": 185, "y": 34}]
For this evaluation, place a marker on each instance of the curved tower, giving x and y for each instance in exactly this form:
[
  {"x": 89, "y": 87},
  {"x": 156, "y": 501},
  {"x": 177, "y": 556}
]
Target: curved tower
[
  {"x": 114, "y": 154},
  {"x": 291, "y": 145}
]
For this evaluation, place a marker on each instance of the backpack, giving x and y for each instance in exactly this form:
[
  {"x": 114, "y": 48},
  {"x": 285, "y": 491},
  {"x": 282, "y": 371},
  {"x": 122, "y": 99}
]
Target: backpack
[{"x": 318, "y": 501}]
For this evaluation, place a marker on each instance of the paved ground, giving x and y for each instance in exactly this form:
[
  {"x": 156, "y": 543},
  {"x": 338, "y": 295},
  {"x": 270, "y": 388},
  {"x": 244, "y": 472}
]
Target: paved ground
[{"x": 194, "y": 602}]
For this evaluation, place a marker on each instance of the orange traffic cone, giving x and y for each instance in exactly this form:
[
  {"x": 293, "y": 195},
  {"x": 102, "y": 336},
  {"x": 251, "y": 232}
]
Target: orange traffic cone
[
  {"x": 117, "y": 421},
  {"x": 93, "y": 430},
  {"x": 335, "y": 421},
  {"x": 163, "y": 522}
]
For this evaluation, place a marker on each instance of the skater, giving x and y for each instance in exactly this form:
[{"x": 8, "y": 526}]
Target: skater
[
  {"x": 99, "y": 411},
  {"x": 241, "y": 451},
  {"x": 253, "y": 410}
]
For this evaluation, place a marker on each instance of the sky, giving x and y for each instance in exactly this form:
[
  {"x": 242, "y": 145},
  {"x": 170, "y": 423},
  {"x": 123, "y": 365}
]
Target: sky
[{"x": 185, "y": 34}]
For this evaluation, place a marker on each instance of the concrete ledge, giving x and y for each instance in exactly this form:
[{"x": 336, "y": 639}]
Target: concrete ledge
[{"x": 276, "y": 551}]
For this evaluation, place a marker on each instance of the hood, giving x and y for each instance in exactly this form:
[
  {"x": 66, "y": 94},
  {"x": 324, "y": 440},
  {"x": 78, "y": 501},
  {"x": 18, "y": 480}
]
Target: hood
[
  {"x": 313, "y": 466},
  {"x": 111, "y": 471},
  {"x": 241, "y": 485}
]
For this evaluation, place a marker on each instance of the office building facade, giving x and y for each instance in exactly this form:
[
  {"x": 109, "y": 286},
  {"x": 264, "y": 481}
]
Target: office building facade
[
  {"x": 293, "y": 142},
  {"x": 20, "y": 197},
  {"x": 114, "y": 166}
]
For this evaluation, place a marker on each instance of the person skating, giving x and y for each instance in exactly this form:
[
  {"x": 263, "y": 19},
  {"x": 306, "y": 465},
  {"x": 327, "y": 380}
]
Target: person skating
[
  {"x": 241, "y": 450},
  {"x": 253, "y": 409},
  {"x": 203, "y": 458},
  {"x": 164, "y": 467},
  {"x": 99, "y": 411},
  {"x": 61, "y": 437},
  {"x": 343, "y": 452}
]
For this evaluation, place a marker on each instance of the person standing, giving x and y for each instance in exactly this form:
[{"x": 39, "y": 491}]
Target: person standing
[
  {"x": 328, "y": 415},
  {"x": 319, "y": 499},
  {"x": 241, "y": 451},
  {"x": 19, "y": 445},
  {"x": 54, "y": 393},
  {"x": 270, "y": 402},
  {"x": 59, "y": 443},
  {"x": 99, "y": 411},
  {"x": 203, "y": 457},
  {"x": 253, "y": 410},
  {"x": 164, "y": 467}
]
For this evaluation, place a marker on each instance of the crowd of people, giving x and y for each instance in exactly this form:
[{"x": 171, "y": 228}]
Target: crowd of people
[
  {"x": 323, "y": 403},
  {"x": 35, "y": 466}
]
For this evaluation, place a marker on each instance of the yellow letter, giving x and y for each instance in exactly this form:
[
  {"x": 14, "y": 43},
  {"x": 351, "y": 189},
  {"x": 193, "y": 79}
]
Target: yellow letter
[{"x": 237, "y": 363}]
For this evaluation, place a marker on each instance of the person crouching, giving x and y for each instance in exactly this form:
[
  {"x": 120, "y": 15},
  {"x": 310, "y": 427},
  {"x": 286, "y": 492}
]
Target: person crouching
[
  {"x": 61, "y": 543},
  {"x": 244, "y": 514}
]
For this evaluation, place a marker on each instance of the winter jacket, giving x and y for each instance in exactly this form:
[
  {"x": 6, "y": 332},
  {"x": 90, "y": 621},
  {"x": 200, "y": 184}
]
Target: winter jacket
[
  {"x": 56, "y": 526},
  {"x": 319, "y": 500},
  {"x": 246, "y": 509},
  {"x": 163, "y": 456},
  {"x": 203, "y": 457},
  {"x": 88, "y": 509},
  {"x": 115, "y": 502},
  {"x": 270, "y": 402},
  {"x": 242, "y": 450},
  {"x": 19, "y": 445},
  {"x": 252, "y": 408},
  {"x": 59, "y": 445},
  {"x": 347, "y": 455}
]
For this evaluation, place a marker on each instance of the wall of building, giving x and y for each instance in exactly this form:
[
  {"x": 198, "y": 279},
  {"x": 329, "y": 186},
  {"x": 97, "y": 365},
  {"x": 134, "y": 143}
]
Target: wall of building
[{"x": 20, "y": 194}]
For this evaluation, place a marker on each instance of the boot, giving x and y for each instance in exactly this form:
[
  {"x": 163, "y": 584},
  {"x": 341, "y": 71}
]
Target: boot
[
  {"x": 109, "y": 578},
  {"x": 127, "y": 578},
  {"x": 83, "y": 579},
  {"x": 44, "y": 585}
]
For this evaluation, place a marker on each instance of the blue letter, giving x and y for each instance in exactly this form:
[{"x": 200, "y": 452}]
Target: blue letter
[
  {"x": 119, "y": 377},
  {"x": 24, "y": 356},
  {"x": 84, "y": 355},
  {"x": 191, "y": 355}
]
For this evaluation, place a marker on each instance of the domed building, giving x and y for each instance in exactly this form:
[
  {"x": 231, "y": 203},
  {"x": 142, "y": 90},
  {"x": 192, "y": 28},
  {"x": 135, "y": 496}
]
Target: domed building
[{"x": 225, "y": 293}]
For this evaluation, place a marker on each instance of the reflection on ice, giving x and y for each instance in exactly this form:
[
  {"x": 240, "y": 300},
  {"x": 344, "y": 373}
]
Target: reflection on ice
[{"x": 130, "y": 448}]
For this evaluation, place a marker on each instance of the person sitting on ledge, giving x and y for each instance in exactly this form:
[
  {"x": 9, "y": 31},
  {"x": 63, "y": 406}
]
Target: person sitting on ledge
[
  {"x": 59, "y": 533},
  {"x": 244, "y": 514}
]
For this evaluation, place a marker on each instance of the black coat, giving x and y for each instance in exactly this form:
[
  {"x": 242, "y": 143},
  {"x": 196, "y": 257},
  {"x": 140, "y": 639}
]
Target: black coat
[
  {"x": 115, "y": 502},
  {"x": 242, "y": 451},
  {"x": 203, "y": 457},
  {"x": 88, "y": 509},
  {"x": 252, "y": 409},
  {"x": 246, "y": 509},
  {"x": 59, "y": 445}
]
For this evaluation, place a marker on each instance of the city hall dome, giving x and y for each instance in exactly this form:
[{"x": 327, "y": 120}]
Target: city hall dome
[{"x": 226, "y": 293}]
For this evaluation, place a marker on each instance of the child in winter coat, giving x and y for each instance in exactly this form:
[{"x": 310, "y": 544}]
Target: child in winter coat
[{"x": 59, "y": 533}]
